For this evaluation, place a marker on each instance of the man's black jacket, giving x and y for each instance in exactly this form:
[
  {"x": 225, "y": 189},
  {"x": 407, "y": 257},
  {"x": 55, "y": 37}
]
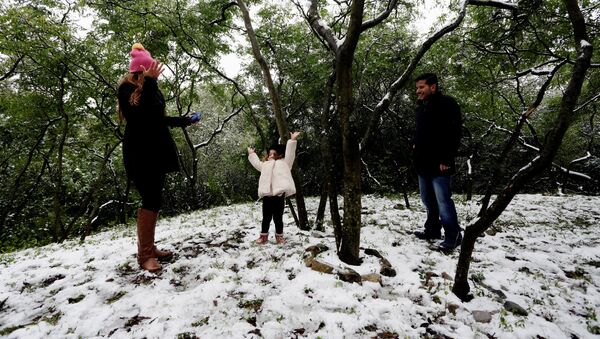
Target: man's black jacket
[{"x": 437, "y": 134}]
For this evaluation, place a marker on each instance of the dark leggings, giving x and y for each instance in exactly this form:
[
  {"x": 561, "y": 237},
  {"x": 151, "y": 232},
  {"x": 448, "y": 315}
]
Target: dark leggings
[
  {"x": 150, "y": 185},
  {"x": 273, "y": 208}
]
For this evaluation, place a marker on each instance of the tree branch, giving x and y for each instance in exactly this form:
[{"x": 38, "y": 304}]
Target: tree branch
[
  {"x": 12, "y": 69},
  {"x": 382, "y": 16},
  {"x": 219, "y": 129},
  {"x": 223, "y": 10},
  {"x": 587, "y": 102}
]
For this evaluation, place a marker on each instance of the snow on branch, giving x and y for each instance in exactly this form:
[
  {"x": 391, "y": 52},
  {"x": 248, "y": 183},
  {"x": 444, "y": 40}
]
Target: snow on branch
[
  {"x": 545, "y": 85},
  {"x": 369, "y": 172},
  {"x": 524, "y": 168},
  {"x": 537, "y": 149},
  {"x": 573, "y": 173},
  {"x": 469, "y": 166},
  {"x": 218, "y": 129},
  {"x": 585, "y": 44},
  {"x": 321, "y": 28},
  {"x": 583, "y": 158},
  {"x": 498, "y": 4},
  {"x": 587, "y": 102},
  {"x": 536, "y": 69}
]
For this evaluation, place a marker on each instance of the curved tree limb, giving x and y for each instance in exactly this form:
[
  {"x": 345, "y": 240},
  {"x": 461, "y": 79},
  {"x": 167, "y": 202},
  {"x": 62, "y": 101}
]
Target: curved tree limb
[
  {"x": 382, "y": 16},
  {"x": 223, "y": 11},
  {"x": 218, "y": 129},
  {"x": 12, "y": 69}
]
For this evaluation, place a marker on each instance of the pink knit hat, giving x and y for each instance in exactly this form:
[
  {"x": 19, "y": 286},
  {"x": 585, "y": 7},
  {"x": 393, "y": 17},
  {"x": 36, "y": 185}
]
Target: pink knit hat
[{"x": 139, "y": 57}]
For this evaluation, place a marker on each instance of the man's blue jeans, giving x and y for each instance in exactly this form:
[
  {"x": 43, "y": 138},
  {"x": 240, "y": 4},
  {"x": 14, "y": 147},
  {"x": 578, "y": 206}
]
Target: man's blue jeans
[{"x": 436, "y": 195}]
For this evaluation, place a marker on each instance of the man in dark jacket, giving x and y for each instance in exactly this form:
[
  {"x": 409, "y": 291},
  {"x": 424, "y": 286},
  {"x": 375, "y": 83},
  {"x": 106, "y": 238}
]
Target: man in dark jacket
[{"x": 435, "y": 143}]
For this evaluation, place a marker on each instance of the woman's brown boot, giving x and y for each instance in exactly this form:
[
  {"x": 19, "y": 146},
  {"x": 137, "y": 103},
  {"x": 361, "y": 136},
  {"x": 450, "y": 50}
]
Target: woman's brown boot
[
  {"x": 158, "y": 254},
  {"x": 146, "y": 222}
]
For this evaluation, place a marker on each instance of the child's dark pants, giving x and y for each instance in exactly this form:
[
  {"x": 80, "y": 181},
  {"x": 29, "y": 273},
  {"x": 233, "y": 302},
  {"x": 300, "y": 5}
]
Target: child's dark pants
[{"x": 273, "y": 209}]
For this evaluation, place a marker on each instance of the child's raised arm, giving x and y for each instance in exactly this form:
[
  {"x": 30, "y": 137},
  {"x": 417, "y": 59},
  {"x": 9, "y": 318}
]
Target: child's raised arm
[
  {"x": 254, "y": 160},
  {"x": 290, "y": 149}
]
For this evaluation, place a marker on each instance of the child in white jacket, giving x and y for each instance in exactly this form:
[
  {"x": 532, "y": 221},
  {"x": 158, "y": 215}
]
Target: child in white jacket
[{"x": 275, "y": 184}]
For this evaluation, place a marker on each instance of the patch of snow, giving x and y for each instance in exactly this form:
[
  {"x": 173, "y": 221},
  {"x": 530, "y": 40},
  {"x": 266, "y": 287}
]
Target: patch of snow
[{"x": 544, "y": 257}]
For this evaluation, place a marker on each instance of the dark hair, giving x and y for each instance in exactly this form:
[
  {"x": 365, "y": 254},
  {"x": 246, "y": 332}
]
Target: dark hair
[
  {"x": 430, "y": 79},
  {"x": 280, "y": 149}
]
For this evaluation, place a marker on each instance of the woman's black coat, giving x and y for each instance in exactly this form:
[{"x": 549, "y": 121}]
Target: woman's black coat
[{"x": 148, "y": 144}]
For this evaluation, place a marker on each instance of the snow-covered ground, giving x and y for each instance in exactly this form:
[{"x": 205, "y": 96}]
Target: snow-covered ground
[{"x": 544, "y": 256}]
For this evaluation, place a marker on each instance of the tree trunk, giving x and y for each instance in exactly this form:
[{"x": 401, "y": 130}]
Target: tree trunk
[
  {"x": 302, "y": 220},
  {"x": 348, "y": 243},
  {"x": 348, "y": 249},
  {"x": 334, "y": 210},
  {"x": 566, "y": 116},
  {"x": 322, "y": 204},
  {"x": 89, "y": 223},
  {"x": 191, "y": 174},
  {"x": 292, "y": 210},
  {"x": 58, "y": 195}
]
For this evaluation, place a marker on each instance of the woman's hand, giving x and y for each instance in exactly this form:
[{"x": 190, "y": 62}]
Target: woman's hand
[
  {"x": 250, "y": 150},
  {"x": 154, "y": 71},
  {"x": 294, "y": 135}
]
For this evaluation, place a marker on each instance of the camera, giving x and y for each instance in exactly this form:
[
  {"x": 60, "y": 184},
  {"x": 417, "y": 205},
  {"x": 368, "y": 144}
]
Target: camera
[{"x": 196, "y": 116}]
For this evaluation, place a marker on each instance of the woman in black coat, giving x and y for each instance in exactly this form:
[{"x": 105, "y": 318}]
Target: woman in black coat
[{"x": 149, "y": 151}]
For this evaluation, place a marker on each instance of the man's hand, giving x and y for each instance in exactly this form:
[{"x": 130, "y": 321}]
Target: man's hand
[
  {"x": 294, "y": 135},
  {"x": 444, "y": 168},
  {"x": 154, "y": 71},
  {"x": 250, "y": 150}
]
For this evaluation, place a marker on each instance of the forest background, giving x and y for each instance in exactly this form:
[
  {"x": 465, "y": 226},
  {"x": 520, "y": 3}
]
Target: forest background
[{"x": 509, "y": 65}]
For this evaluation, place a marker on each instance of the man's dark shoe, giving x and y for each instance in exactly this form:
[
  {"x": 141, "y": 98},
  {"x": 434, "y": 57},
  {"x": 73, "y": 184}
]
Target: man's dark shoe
[
  {"x": 428, "y": 235},
  {"x": 447, "y": 246}
]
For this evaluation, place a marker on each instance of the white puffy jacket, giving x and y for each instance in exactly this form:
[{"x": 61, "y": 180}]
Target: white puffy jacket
[{"x": 276, "y": 175}]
